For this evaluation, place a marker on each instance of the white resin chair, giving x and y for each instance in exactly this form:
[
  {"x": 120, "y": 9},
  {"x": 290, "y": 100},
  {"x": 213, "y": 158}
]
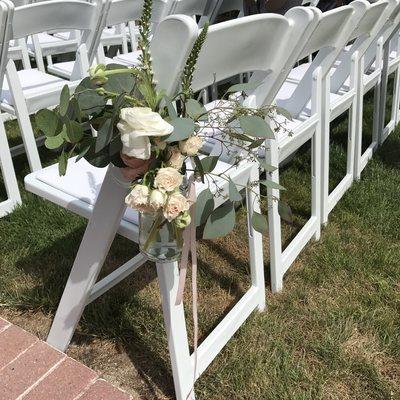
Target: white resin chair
[
  {"x": 369, "y": 48},
  {"x": 80, "y": 192},
  {"x": 6, "y": 164},
  {"x": 26, "y": 91},
  {"x": 303, "y": 100}
]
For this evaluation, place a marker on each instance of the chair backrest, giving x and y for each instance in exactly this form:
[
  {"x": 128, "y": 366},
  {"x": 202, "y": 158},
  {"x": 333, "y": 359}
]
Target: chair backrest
[
  {"x": 4, "y": 13},
  {"x": 390, "y": 26},
  {"x": 171, "y": 44},
  {"x": 189, "y": 7},
  {"x": 329, "y": 38},
  {"x": 240, "y": 46},
  {"x": 363, "y": 35}
]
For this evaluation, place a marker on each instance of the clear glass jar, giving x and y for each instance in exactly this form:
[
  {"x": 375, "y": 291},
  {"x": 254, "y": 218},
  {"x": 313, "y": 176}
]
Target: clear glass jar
[{"x": 159, "y": 240}]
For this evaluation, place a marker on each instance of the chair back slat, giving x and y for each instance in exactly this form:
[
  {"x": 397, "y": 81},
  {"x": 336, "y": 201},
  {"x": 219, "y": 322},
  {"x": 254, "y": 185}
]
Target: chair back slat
[
  {"x": 54, "y": 15},
  {"x": 189, "y": 7},
  {"x": 240, "y": 45},
  {"x": 170, "y": 47}
]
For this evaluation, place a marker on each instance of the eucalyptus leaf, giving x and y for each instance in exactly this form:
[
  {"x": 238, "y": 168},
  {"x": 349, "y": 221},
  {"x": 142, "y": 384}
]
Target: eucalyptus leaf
[
  {"x": 220, "y": 222},
  {"x": 284, "y": 112},
  {"x": 170, "y": 107},
  {"x": 204, "y": 206},
  {"x": 54, "y": 142},
  {"x": 90, "y": 102},
  {"x": 119, "y": 83},
  {"x": 183, "y": 128},
  {"x": 267, "y": 167},
  {"x": 104, "y": 135},
  {"x": 255, "y": 126},
  {"x": 285, "y": 212},
  {"x": 259, "y": 222},
  {"x": 196, "y": 110},
  {"x": 48, "y": 122},
  {"x": 74, "y": 131},
  {"x": 272, "y": 185},
  {"x": 83, "y": 152},
  {"x": 242, "y": 87},
  {"x": 234, "y": 194},
  {"x": 208, "y": 163},
  {"x": 62, "y": 163},
  {"x": 64, "y": 100}
]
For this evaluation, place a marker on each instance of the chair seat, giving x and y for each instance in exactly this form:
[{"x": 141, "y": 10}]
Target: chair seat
[
  {"x": 64, "y": 69},
  {"x": 40, "y": 90},
  {"x": 130, "y": 59},
  {"x": 77, "y": 191},
  {"x": 51, "y": 44}
]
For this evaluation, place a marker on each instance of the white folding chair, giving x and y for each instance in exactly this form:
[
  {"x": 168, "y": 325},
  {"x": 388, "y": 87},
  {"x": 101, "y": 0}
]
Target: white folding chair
[
  {"x": 367, "y": 46},
  {"x": 77, "y": 191},
  {"x": 6, "y": 164},
  {"x": 26, "y": 91},
  {"x": 302, "y": 96}
]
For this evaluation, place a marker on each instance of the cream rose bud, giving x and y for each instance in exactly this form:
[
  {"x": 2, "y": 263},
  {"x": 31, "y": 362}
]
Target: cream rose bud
[
  {"x": 168, "y": 179},
  {"x": 138, "y": 198},
  {"x": 176, "y": 158},
  {"x": 191, "y": 146},
  {"x": 176, "y": 204},
  {"x": 136, "y": 125},
  {"x": 157, "y": 199},
  {"x": 183, "y": 220}
]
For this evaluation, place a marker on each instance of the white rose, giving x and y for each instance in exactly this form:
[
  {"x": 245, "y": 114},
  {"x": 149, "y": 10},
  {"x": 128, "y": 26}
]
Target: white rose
[
  {"x": 191, "y": 146},
  {"x": 176, "y": 204},
  {"x": 136, "y": 125},
  {"x": 168, "y": 179},
  {"x": 176, "y": 158},
  {"x": 157, "y": 199},
  {"x": 138, "y": 198}
]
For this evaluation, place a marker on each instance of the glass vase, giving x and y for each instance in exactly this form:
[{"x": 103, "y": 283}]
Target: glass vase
[{"x": 159, "y": 240}]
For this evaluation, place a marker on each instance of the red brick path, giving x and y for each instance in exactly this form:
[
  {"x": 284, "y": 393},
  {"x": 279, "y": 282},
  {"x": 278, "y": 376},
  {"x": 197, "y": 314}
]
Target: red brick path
[{"x": 32, "y": 370}]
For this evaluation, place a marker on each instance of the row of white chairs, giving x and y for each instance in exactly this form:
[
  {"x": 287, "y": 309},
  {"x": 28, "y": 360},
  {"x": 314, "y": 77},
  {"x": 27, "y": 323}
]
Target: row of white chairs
[{"x": 347, "y": 44}]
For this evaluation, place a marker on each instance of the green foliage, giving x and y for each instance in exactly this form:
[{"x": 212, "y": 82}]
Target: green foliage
[
  {"x": 190, "y": 66},
  {"x": 220, "y": 222},
  {"x": 183, "y": 128},
  {"x": 259, "y": 223},
  {"x": 255, "y": 126}
]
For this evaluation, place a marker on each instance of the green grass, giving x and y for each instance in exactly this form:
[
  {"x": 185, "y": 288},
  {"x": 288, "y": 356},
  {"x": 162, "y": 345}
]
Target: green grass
[{"x": 333, "y": 333}]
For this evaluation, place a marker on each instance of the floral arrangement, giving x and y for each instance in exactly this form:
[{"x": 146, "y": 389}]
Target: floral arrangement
[{"x": 117, "y": 115}]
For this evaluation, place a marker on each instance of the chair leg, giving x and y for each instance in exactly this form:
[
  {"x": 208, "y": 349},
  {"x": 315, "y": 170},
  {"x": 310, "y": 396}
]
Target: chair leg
[
  {"x": 99, "y": 235},
  {"x": 274, "y": 220},
  {"x": 9, "y": 177},
  {"x": 22, "y": 114},
  {"x": 325, "y": 135},
  {"x": 316, "y": 188},
  {"x": 255, "y": 241},
  {"x": 175, "y": 326}
]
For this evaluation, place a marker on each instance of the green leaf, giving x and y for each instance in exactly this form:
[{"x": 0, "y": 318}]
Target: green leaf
[
  {"x": 183, "y": 128},
  {"x": 267, "y": 167},
  {"x": 54, "y": 142},
  {"x": 104, "y": 135},
  {"x": 62, "y": 163},
  {"x": 208, "y": 163},
  {"x": 259, "y": 222},
  {"x": 83, "y": 152},
  {"x": 271, "y": 184},
  {"x": 285, "y": 212},
  {"x": 90, "y": 102},
  {"x": 64, "y": 100},
  {"x": 119, "y": 83},
  {"x": 234, "y": 194},
  {"x": 242, "y": 87},
  {"x": 284, "y": 112},
  {"x": 171, "y": 109},
  {"x": 196, "y": 110},
  {"x": 204, "y": 206},
  {"x": 220, "y": 222},
  {"x": 48, "y": 122},
  {"x": 255, "y": 126},
  {"x": 199, "y": 168},
  {"x": 74, "y": 131}
]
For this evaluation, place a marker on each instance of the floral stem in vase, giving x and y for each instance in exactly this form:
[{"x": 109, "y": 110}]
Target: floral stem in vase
[{"x": 155, "y": 227}]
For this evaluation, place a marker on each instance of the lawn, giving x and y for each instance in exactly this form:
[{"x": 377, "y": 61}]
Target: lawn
[{"x": 333, "y": 333}]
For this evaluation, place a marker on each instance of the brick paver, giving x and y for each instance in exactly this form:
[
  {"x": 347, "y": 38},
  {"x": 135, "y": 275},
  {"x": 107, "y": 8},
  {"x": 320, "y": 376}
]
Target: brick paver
[
  {"x": 32, "y": 370},
  {"x": 13, "y": 341},
  {"x": 102, "y": 390},
  {"x": 22, "y": 373}
]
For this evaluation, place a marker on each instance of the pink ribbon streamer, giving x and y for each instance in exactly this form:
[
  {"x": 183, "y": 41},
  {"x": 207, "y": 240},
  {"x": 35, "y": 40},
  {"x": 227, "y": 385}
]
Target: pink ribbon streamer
[{"x": 189, "y": 245}]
